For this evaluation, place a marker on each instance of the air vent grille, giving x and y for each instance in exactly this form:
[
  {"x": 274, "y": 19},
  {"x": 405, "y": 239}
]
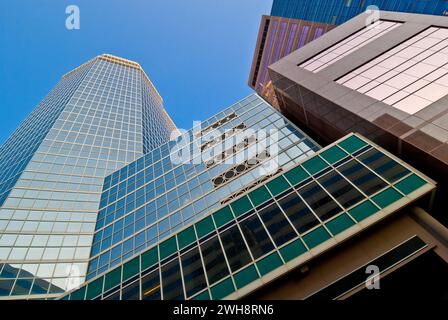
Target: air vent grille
[
  {"x": 240, "y": 169},
  {"x": 217, "y": 124},
  {"x": 224, "y": 136},
  {"x": 231, "y": 151}
]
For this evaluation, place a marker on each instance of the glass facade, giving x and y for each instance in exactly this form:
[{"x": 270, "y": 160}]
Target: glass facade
[
  {"x": 17, "y": 151},
  {"x": 157, "y": 125},
  {"x": 268, "y": 230},
  {"x": 153, "y": 197},
  {"x": 339, "y": 11},
  {"x": 100, "y": 117},
  {"x": 279, "y": 37}
]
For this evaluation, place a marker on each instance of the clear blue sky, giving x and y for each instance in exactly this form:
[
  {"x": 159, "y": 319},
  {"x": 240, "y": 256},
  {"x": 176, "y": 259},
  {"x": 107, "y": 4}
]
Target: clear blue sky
[{"x": 196, "y": 52}]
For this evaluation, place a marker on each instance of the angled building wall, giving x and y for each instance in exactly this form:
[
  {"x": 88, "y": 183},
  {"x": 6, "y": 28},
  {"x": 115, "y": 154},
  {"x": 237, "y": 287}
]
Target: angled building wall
[
  {"x": 294, "y": 23},
  {"x": 385, "y": 81}
]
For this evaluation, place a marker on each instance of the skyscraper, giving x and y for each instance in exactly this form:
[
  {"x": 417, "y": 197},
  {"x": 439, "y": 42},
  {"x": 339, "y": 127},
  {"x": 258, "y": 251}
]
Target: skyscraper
[
  {"x": 99, "y": 117},
  {"x": 294, "y": 23},
  {"x": 237, "y": 206},
  {"x": 178, "y": 183},
  {"x": 254, "y": 204}
]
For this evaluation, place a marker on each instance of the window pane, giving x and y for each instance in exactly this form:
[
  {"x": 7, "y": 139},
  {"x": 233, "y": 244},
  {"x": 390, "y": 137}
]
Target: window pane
[
  {"x": 171, "y": 281},
  {"x": 319, "y": 201},
  {"x": 383, "y": 165},
  {"x": 114, "y": 296},
  {"x": 151, "y": 286},
  {"x": 215, "y": 263},
  {"x": 341, "y": 189},
  {"x": 300, "y": 215},
  {"x": 361, "y": 177},
  {"x": 193, "y": 272},
  {"x": 235, "y": 248},
  {"x": 277, "y": 225},
  {"x": 131, "y": 292},
  {"x": 256, "y": 236}
]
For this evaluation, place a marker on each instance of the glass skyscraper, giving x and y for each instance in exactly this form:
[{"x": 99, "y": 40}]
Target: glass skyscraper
[
  {"x": 113, "y": 205},
  {"x": 156, "y": 196},
  {"x": 253, "y": 198},
  {"x": 229, "y": 230},
  {"x": 99, "y": 117}
]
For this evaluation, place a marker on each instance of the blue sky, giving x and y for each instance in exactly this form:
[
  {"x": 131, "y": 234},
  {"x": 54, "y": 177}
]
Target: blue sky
[{"x": 196, "y": 52}]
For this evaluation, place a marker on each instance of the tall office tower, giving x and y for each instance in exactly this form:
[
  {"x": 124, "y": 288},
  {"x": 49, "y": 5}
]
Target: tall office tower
[
  {"x": 99, "y": 117},
  {"x": 251, "y": 210},
  {"x": 386, "y": 81},
  {"x": 294, "y": 23},
  {"x": 158, "y": 194}
]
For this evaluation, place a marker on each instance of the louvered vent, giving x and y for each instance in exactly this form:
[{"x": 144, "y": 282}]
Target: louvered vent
[
  {"x": 224, "y": 136},
  {"x": 240, "y": 169},
  {"x": 217, "y": 124},
  {"x": 231, "y": 151}
]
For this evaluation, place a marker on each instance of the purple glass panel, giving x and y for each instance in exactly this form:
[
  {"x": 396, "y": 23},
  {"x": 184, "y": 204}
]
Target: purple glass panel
[
  {"x": 318, "y": 33},
  {"x": 279, "y": 42},
  {"x": 267, "y": 53},
  {"x": 292, "y": 34},
  {"x": 303, "y": 36}
]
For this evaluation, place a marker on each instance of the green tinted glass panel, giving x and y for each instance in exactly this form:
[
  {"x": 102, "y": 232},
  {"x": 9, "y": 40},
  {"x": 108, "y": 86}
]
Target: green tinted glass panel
[
  {"x": 364, "y": 210},
  {"x": 94, "y": 288},
  {"x": 149, "y": 258},
  {"x": 167, "y": 248},
  {"x": 222, "y": 289},
  {"x": 202, "y": 296},
  {"x": 292, "y": 250},
  {"x": 204, "y": 227},
  {"x": 386, "y": 197},
  {"x": 223, "y": 216},
  {"x": 78, "y": 294},
  {"x": 339, "y": 224},
  {"x": 352, "y": 144},
  {"x": 112, "y": 279},
  {"x": 314, "y": 165},
  {"x": 296, "y": 175},
  {"x": 333, "y": 155},
  {"x": 241, "y": 206},
  {"x": 316, "y": 237},
  {"x": 186, "y": 237},
  {"x": 245, "y": 276},
  {"x": 259, "y": 195},
  {"x": 131, "y": 268},
  {"x": 278, "y": 185},
  {"x": 410, "y": 184},
  {"x": 269, "y": 263}
]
